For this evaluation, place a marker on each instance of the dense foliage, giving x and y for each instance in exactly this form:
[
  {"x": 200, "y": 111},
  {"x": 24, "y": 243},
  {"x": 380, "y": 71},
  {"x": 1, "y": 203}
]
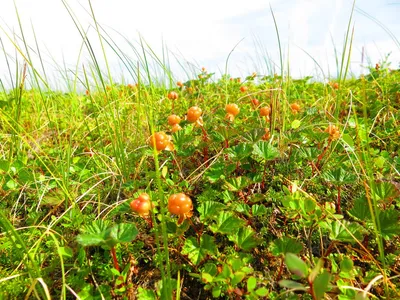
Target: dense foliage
[{"x": 266, "y": 188}]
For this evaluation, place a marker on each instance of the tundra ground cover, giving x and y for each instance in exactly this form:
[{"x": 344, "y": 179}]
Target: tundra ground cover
[
  {"x": 264, "y": 187},
  {"x": 293, "y": 190}
]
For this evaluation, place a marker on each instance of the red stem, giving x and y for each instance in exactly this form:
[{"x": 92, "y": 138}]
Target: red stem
[
  {"x": 280, "y": 270},
  {"x": 322, "y": 154},
  {"x": 115, "y": 260}
]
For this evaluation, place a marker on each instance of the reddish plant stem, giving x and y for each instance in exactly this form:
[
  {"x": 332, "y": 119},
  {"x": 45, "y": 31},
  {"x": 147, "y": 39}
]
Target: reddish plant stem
[
  {"x": 115, "y": 260},
  {"x": 317, "y": 165},
  {"x": 312, "y": 290},
  {"x": 280, "y": 269}
]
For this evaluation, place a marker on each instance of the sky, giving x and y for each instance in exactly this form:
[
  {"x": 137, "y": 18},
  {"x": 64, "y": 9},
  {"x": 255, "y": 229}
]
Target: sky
[{"x": 195, "y": 34}]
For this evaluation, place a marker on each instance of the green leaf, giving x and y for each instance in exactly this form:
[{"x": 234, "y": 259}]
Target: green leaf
[
  {"x": 237, "y": 278},
  {"x": 236, "y": 184},
  {"x": 296, "y": 124},
  {"x": 4, "y": 165},
  {"x": 236, "y": 264},
  {"x": 360, "y": 209},
  {"x": 216, "y": 291},
  {"x": 346, "y": 265},
  {"x": 245, "y": 238},
  {"x": 389, "y": 223},
  {"x": 123, "y": 233},
  {"x": 210, "y": 268},
  {"x": 320, "y": 284},
  {"x": 339, "y": 176},
  {"x": 11, "y": 185},
  {"x": 91, "y": 239},
  {"x": 240, "y": 151},
  {"x": 243, "y": 208},
  {"x": 348, "y": 142},
  {"x": 251, "y": 283},
  {"x": 93, "y": 234},
  {"x": 262, "y": 292},
  {"x": 316, "y": 270},
  {"x": 385, "y": 190},
  {"x": 254, "y": 135},
  {"x": 225, "y": 273},
  {"x": 265, "y": 151},
  {"x": 227, "y": 223},
  {"x": 296, "y": 265},
  {"x": 290, "y": 284},
  {"x": 379, "y": 162},
  {"x": 218, "y": 171},
  {"x": 285, "y": 245},
  {"x": 258, "y": 210},
  {"x": 65, "y": 251},
  {"x": 197, "y": 252},
  {"x": 343, "y": 231},
  {"x": 210, "y": 209},
  {"x": 307, "y": 205},
  {"x": 207, "y": 278},
  {"x": 144, "y": 294}
]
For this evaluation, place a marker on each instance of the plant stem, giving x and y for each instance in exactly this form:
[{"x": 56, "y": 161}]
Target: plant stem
[{"x": 115, "y": 260}]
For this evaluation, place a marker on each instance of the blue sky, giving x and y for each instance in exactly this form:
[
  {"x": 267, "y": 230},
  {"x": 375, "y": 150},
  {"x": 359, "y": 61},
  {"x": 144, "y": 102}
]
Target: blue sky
[{"x": 203, "y": 33}]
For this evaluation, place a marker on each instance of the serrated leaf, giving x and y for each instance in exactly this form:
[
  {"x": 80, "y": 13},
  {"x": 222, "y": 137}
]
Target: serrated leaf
[
  {"x": 91, "y": 239},
  {"x": 227, "y": 223},
  {"x": 285, "y": 245},
  {"x": 245, "y": 238},
  {"x": 93, "y": 234},
  {"x": 241, "y": 151},
  {"x": 243, "y": 208},
  {"x": 265, "y": 151},
  {"x": 236, "y": 184},
  {"x": 344, "y": 231},
  {"x": 339, "y": 176},
  {"x": 360, "y": 209},
  {"x": 389, "y": 223},
  {"x": 197, "y": 252},
  {"x": 254, "y": 135},
  {"x": 258, "y": 210},
  {"x": 385, "y": 190},
  {"x": 216, "y": 172},
  {"x": 210, "y": 209},
  {"x": 123, "y": 233},
  {"x": 296, "y": 265}
]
